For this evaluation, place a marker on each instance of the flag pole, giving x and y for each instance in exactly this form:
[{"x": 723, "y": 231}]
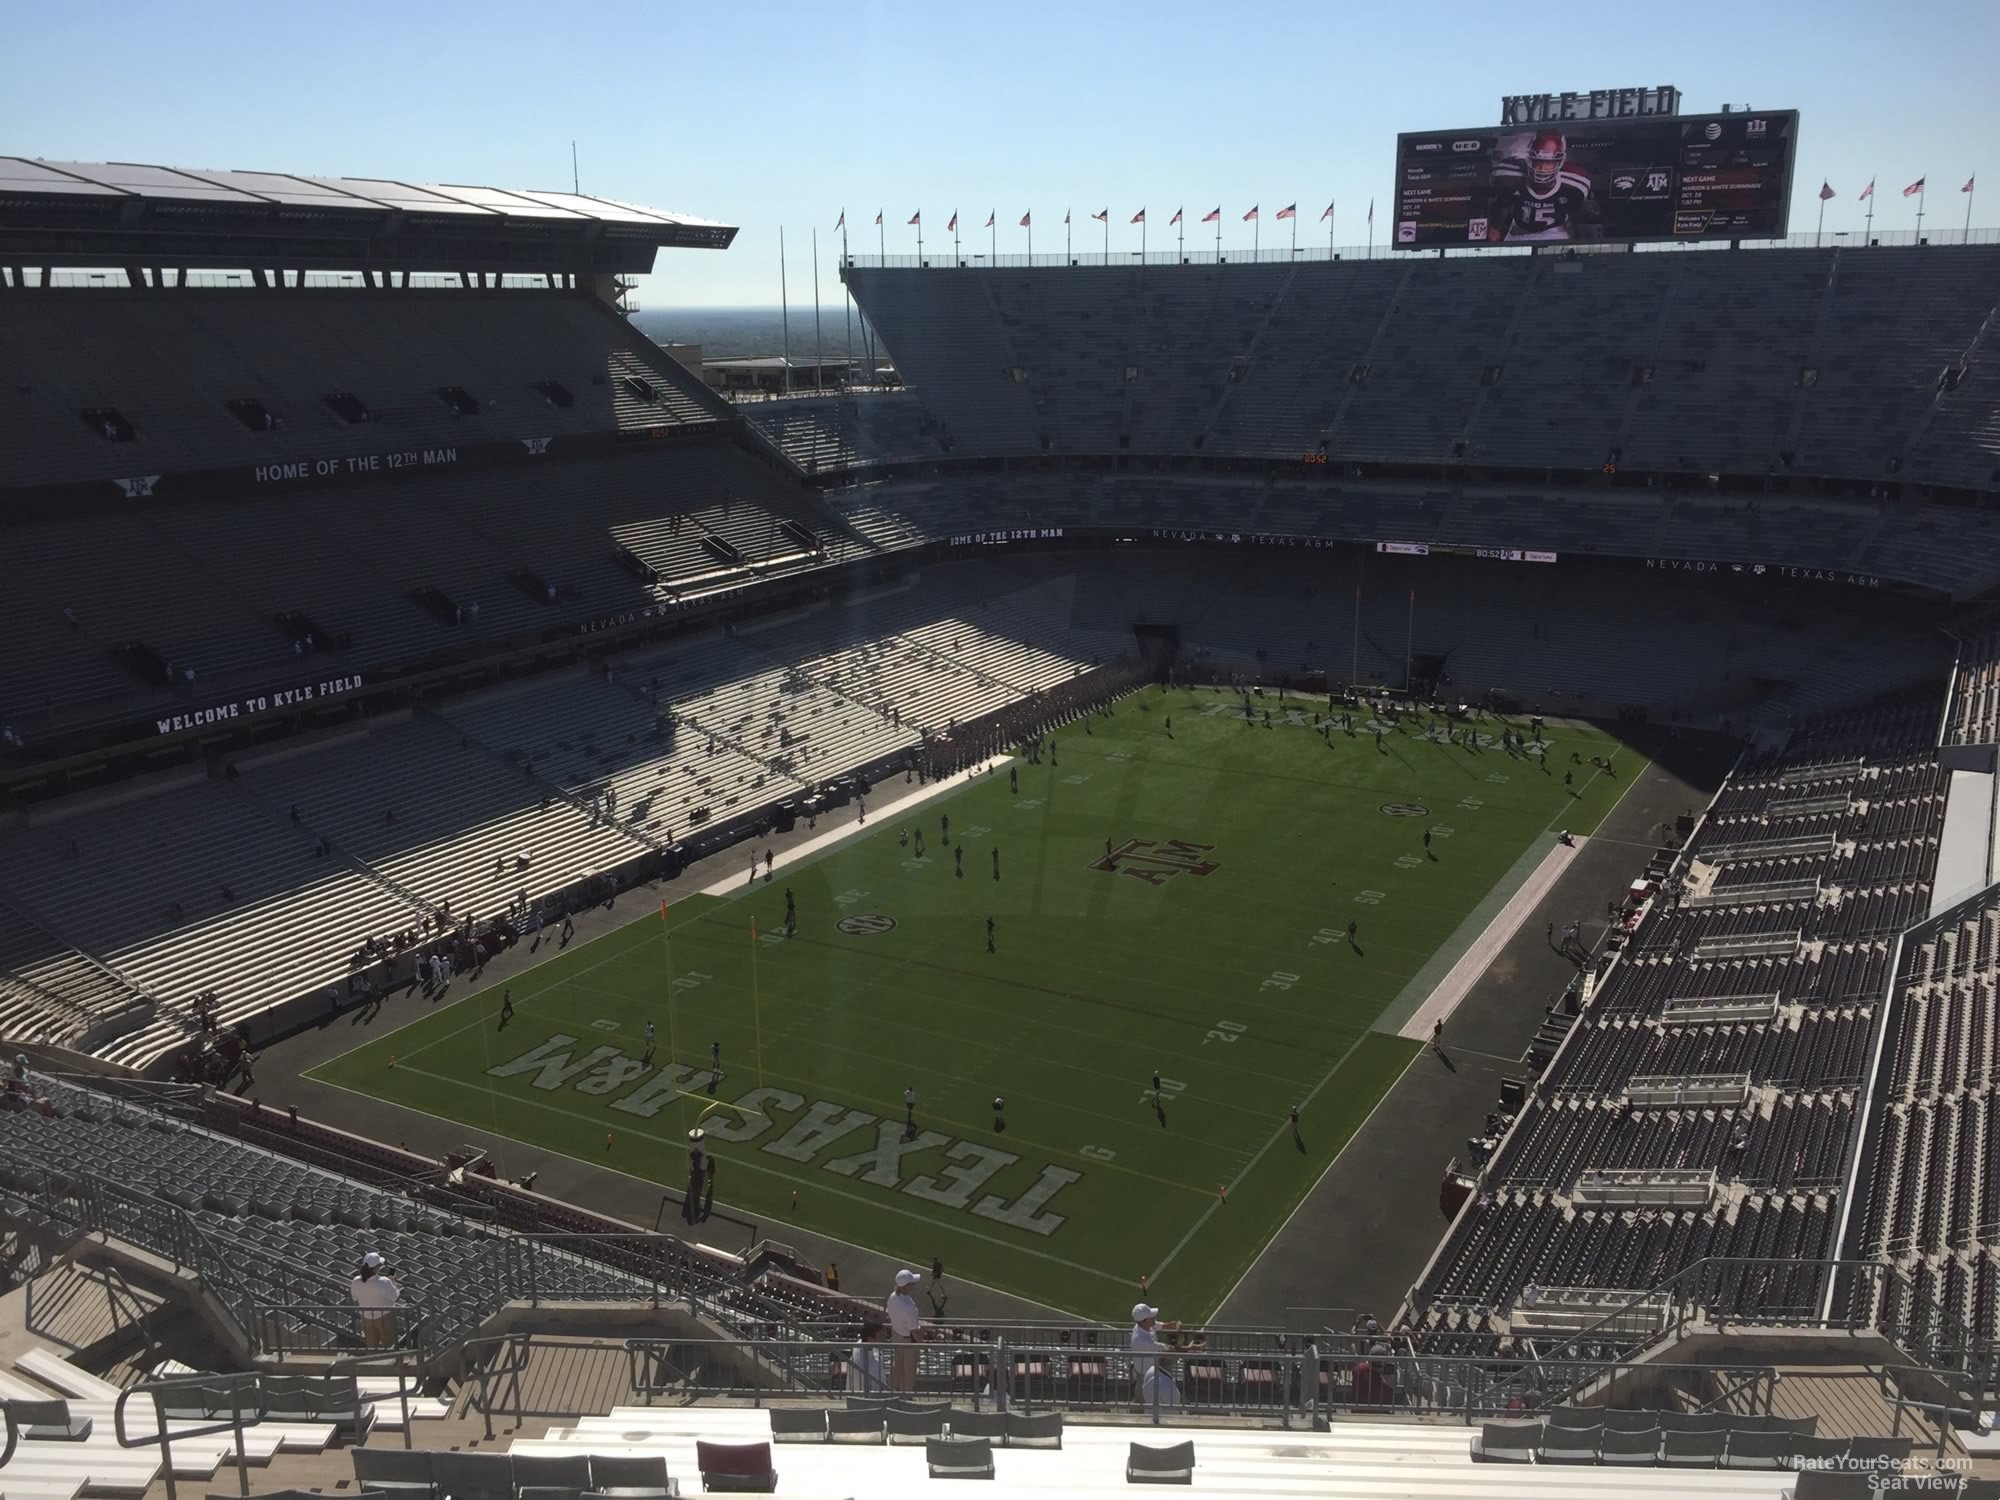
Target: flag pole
[
  {"x": 784, "y": 314},
  {"x": 881, "y": 238},
  {"x": 1180, "y": 232},
  {"x": 1257, "y": 232},
  {"x": 1921, "y": 191},
  {"x": 1295, "y": 233},
  {"x": 1107, "y": 235},
  {"x": 1066, "y": 252},
  {"x": 1970, "y": 183},
  {"x": 1822, "y": 223},
  {"x": 1218, "y": 239},
  {"x": 993, "y": 237},
  {"x": 1868, "y": 224},
  {"x": 920, "y": 237},
  {"x": 1030, "y": 216},
  {"x": 847, "y": 297},
  {"x": 1142, "y": 240},
  {"x": 819, "y": 353},
  {"x": 1330, "y": 221}
]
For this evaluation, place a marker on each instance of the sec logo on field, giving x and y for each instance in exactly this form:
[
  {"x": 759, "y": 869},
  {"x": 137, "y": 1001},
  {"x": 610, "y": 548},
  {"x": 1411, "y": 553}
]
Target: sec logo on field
[
  {"x": 1404, "y": 810},
  {"x": 866, "y": 924}
]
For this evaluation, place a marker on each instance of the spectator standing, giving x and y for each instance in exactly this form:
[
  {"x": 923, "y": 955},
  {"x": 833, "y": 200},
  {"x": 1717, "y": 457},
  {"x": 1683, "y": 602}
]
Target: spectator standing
[
  {"x": 376, "y": 1294},
  {"x": 1156, "y": 1382},
  {"x": 906, "y": 1323}
]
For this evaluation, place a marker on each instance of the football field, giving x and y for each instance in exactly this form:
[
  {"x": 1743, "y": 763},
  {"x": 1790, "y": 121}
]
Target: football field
[{"x": 1164, "y": 901}]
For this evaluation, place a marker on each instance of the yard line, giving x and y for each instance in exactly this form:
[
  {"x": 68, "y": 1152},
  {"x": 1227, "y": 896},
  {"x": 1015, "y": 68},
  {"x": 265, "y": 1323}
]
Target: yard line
[
  {"x": 931, "y": 1221},
  {"x": 1283, "y": 1132}
]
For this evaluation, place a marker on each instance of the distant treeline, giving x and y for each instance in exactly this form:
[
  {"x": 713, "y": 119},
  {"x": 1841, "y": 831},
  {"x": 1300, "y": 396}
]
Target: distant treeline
[{"x": 732, "y": 332}]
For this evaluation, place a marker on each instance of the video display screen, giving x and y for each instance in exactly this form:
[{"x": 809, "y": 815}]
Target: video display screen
[{"x": 1691, "y": 177}]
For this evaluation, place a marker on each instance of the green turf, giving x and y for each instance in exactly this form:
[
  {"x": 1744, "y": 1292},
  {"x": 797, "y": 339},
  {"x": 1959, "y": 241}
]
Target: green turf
[{"x": 1239, "y": 985}]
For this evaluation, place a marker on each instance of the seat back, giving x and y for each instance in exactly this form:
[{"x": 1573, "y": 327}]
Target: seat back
[
  {"x": 627, "y": 1471},
  {"x": 1880, "y": 1453},
  {"x": 1169, "y": 1464},
  {"x": 741, "y": 1467},
  {"x": 1701, "y": 1450},
  {"x": 471, "y": 1474},
  {"x": 914, "y": 1426},
  {"x": 1572, "y": 1445},
  {"x": 856, "y": 1426},
  {"x": 1760, "y": 1450},
  {"x": 1040, "y": 1430},
  {"x": 1835, "y": 1484},
  {"x": 792, "y": 1424},
  {"x": 1510, "y": 1442},
  {"x": 404, "y": 1466},
  {"x": 1625, "y": 1445},
  {"x": 552, "y": 1470},
  {"x": 1820, "y": 1452},
  {"x": 1630, "y": 1421},
  {"x": 1574, "y": 1418},
  {"x": 986, "y": 1424},
  {"x": 959, "y": 1458}
]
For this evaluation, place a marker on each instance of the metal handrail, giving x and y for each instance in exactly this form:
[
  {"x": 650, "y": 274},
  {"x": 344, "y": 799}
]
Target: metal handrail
[{"x": 234, "y": 1384}]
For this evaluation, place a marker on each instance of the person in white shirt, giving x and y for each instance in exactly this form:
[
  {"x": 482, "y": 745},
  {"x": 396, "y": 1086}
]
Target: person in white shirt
[
  {"x": 868, "y": 1365},
  {"x": 906, "y": 1324},
  {"x": 375, "y": 1292},
  {"x": 1156, "y": 1380}
]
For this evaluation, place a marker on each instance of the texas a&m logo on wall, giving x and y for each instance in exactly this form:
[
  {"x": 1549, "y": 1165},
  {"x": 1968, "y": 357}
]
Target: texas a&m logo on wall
[{"x": 1156, "y": 861}]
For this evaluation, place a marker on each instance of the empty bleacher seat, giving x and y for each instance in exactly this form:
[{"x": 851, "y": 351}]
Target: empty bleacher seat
[
  {"x": 742, "y": 1467},
  {"x": 1149, "y": 1463},
  {"x": 959, "y": 1458}
]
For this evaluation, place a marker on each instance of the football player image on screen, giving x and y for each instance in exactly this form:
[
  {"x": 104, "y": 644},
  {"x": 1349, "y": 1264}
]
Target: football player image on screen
[{"x": 1538, "y": 195}]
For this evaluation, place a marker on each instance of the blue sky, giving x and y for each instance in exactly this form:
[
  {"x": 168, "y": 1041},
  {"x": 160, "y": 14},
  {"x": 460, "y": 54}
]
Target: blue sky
[{"x": 783, "y": 113}]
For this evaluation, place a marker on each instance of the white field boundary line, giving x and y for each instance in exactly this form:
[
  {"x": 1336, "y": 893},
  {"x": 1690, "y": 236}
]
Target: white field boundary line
[
  {"x": 928, "y": 1220},
  {"x": 1306, "y": 1197},
  {"x": 1285, "y": 1129},
  {"x": 736, "y": 885},
  {"x": 1478, "y": 958}
]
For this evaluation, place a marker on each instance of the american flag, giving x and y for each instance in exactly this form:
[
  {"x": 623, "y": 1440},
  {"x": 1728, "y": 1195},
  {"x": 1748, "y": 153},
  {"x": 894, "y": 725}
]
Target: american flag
[
  {"x": 841, "y": 222},
  {"x": 1139, "y": 217},
  {"x": 1914, "y": 188},
  {"x": 1289, "y": 211},
  {"x": 917, "y": 217},
  {"x": 1867, "y": 192},
  {"x": 1251, "y": 215},
  {"x": 1103, "y": 216},
  {"x": 951, "y": 227},
  {"x": 1328, "y": 214},
  {"x": 989, "y": 216},
  {"x": 1212, "y": 215},
  {"x": 1176, "y": 218},
  {"x": 1024, "y": 219}
]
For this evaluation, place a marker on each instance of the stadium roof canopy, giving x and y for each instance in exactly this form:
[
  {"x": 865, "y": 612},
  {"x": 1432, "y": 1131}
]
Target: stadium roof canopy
[{"x": 115, "y": 213}]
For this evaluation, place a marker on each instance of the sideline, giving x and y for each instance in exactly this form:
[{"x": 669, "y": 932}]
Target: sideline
[
  {"x": 1479, "y": 955},
  {"x": 819, "y": 843}
]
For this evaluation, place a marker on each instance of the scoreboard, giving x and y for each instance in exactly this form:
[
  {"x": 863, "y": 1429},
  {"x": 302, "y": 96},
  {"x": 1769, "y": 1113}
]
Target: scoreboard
[{"x": 1689, "y": 177}]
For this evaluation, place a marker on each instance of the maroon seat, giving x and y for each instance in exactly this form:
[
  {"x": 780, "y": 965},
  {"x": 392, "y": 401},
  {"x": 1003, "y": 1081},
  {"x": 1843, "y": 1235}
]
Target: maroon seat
[{"x": 739, "y": 1467}]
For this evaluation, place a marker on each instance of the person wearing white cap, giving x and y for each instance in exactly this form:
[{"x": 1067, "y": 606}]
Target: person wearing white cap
[
  {"x": 905, "y": 1326},
  {"x": 1156, "y": 1381},
  {"x": 375, "y": 1292}
]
